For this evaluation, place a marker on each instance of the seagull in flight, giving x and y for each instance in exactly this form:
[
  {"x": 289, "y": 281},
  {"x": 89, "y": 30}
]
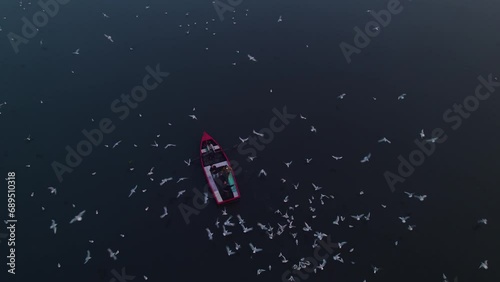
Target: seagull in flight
[
  {"x": 316, "y": 188},
  {"x": 402, "y": 96},
  {"x": 431, "y": 140},
  {"x": 76, "y": 52},
  {"x": 170, "y": 145},
  {"x": 210, "y": 234},
  {"x": 366, "y": 158},
  {"x": 404, "y": 218},
  {"x": 113, "y": 254},
  {"x": 165, "y": 212},
  {"x": 410, "y": 195},
  {"x": 180, "y": 193},
  {"x": 251, "y": 58},
  {"x": 302, "y": 117},
  {"x": 337, "y": 158},
  {"x": 421, "y": 198},
  {"x": 483, "y": 221},
  {"x": 104, "y": 15},
  {"x": 357, "y": 217},
  {"x": 78, "y": 217},
  {"x": 341, "y": 96},
  {"x": 224, "y": 211},
  {"x": 154, "y": 144},
  {"x": 280, "y": 19},
  {"x": 188, "y": 162},
  {"x": 288, "y": 164},
  {"x": 262, "y": 172},
  {"x": 181, "y": 179},
  {"x": 484, "y": 265},
  {"x": 88, "y": 257},
  {"x": 229, "y": 251},
  {"x": 313, "y": 129},
  {"x": 422, "y": 134},
  {"x": 307, "y": 227},
  {"x": 257, "y": 133},
  {"x": 132, "y": 191},
  {"x": 53, "y": 226},
  {"x": 193, "y": 117},
  {"x": 108, "y": 37},
  {"x": 52, "y": 190},
  {"x": 116, "y": 144},
  {"x": 384, "y": 140},
  {"x": 254, "y": 249},
  {"x": 243, "y": 140},
  {"x": 308, "y": 160}
]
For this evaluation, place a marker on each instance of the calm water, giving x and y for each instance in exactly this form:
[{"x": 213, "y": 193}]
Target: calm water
[{"x": 432, "y": 51}]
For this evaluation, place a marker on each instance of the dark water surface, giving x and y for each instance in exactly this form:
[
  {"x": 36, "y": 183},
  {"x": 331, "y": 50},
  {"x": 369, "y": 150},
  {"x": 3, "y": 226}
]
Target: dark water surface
[{"x": 432, "y": 51}]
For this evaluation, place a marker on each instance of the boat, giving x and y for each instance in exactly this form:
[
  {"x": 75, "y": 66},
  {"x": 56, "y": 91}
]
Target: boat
[{"x": 218, "y": 172}]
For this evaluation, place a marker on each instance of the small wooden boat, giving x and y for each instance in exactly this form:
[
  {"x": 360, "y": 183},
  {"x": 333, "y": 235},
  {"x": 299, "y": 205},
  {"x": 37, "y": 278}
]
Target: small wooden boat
[{"x": 218, "y": 171}]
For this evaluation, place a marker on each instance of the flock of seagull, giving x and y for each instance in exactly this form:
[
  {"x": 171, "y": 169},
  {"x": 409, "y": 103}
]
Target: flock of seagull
[{"x": 285, "y": 222}]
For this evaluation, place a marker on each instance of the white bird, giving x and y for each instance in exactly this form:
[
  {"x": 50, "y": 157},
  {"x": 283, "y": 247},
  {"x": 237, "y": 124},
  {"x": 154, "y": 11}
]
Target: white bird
[
  {"x": 108, "y": 37},
  {"x": 104, "y": 15},
  {"x": 431, "y": 140},
  {"x": 421, "y": 198},
  {"x": 341, "y": 96},
  {"x": 188, "y": 162},
  {"x": 53, "y": 226},
  {"x": 165, "y": 212},
  {"x": 217, "y": 223},
  {"x": 288, "y": 164},
  {"x": 257, "y": 133},
  {"x": 154, "y": 144},
  {"x": 132, "y": 191},
  {"x": 316, "y": 188},
  {"x": 283, "y": 258},
  {"x": 308, "y": 160},
  {"x": 52, "y": 190},
  {"x": 296, "y": 186},
  {"x": 225, "y": 232},
  {"x": 337, "y": 158},
  {"x": 243, "y": 140},
  {"x": 321, "y": 265},
  {"x": 76, "y": 52},
  {"x": 250, "y": 158},
  {"x": 402, "y": 96},
  {"x": 262, "y": 172},
  {"x": 484, "y": 265},
  {"x": 151, "y": 171},
  {"x": 375, "y": 269},
  {"x": 251, "y": 58},
  {"x": 229, "y": 251},
  {"x": 302, "y": 117},
  {"x": 87, "y": 258},
  {"x": 336, "y": 221},
  {"x": 259, "y": 271},
  {"x": 116, "y": 144},
  {"x": 483, "y": 221},
  {"x": 411, "y": 227},
  {"x": 224, "y": 211},
  {"x": 366, "y": 158},
  {"x": 180, "y": 193},
  {"x": 181, "y": 179},
  {"x": 307, "y": 227},
  {"x": 254, "y": 249},
  {"x": 404, "y": 218},
  {"x": 165, "y": 180},
  {"x": 357, "y": 217},
  {"x": 113, "y": 254},
  {"x": 422, "y": 134},
  {"x": 78, "y": 217},
  {"x": 410, "y": 195},
  {"x": 338, "y": 258},
  {"x": 237, "y": 246},
  {"x": 210, "y": 234},
  {"x": 313, "y": 129},
  {"x": 193, "y": 117},
  {"x": 170, "y": 145},
  {"x": 280, "y": 19},
  {"x": 384, "y": 140}
]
